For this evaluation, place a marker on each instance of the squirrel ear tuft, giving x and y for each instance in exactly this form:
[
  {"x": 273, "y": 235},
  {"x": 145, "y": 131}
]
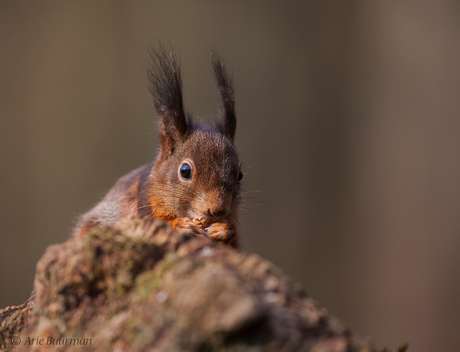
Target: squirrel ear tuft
[
  {"x": 226, "y": 123},
  {"x": 165, "y": 85}
]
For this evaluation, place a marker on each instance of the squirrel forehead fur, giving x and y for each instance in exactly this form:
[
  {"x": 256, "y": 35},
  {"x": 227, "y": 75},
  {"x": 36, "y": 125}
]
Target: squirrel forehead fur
[{"x": 213, "y": 155}]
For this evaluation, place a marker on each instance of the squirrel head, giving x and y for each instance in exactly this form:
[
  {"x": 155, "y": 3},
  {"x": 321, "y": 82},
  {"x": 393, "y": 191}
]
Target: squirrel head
[{"x": 197, "y": 173}]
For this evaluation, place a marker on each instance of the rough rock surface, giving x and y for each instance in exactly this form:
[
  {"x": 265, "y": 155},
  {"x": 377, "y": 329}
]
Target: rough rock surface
[{"x": 142, "y": 287}]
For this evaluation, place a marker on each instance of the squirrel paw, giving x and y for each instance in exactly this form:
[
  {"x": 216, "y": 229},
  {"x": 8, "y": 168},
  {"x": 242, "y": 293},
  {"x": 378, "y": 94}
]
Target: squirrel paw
[
  {"x": 221, "y": 231},
  {"x": 187, "y": 225}
]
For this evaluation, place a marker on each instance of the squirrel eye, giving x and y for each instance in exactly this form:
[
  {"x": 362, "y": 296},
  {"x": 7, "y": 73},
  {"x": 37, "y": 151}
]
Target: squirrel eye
[
  {"x": 240, "y": 175},
  {"x": 186, "y": 171}
]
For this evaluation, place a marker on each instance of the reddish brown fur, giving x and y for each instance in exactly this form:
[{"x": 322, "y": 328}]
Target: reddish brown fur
[{"x": 206, "y": 202}]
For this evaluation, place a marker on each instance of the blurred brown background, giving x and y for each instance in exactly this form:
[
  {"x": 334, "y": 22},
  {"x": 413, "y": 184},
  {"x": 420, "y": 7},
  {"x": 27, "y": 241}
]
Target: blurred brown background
[{"x": 349, "y": 132}]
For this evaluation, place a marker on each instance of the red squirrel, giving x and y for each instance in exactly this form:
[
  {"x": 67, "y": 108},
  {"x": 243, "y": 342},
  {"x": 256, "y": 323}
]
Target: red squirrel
[{"x": 194, "y": 183}]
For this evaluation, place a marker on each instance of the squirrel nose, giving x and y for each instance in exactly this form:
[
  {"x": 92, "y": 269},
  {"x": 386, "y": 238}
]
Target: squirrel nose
[{"x": 217, "y": 212}]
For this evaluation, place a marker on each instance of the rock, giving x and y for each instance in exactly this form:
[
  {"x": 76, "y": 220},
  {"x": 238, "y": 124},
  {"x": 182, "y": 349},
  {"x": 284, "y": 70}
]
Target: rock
[{"x": 140, "y": 286}]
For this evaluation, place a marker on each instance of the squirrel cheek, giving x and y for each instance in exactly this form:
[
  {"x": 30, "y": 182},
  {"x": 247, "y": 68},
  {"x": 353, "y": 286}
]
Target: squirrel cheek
[{"x": 194, "y": 209}]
